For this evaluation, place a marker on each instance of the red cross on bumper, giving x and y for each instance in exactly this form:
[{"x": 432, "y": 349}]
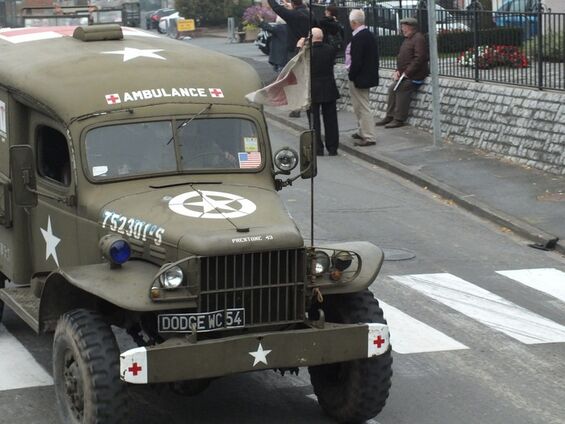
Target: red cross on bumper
[{"x": 378, "y": 339}]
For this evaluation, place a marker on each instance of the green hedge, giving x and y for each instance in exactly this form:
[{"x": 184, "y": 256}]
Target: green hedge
[
  {"x": 457, "y": 41},
  {"x": 212, "y": 12},
  {"x": 553, "y": 47}
]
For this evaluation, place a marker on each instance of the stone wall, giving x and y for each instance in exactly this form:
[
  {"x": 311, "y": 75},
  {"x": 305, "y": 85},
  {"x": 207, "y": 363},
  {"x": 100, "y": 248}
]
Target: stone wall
[{"x": 521, "y": 124}]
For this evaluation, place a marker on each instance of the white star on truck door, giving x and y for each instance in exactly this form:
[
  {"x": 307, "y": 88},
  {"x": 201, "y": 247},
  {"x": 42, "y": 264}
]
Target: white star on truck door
[
  {"x": 133, "y": 53},
  {"x": 260, "y": 355},
  {"x": 51, "y": 242}
]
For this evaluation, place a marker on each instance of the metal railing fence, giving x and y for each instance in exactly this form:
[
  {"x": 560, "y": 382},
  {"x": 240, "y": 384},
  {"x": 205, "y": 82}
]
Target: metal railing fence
[{"x": 526, "y": 49}]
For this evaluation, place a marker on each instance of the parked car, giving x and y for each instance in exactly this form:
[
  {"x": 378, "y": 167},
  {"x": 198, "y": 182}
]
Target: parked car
[
  {"x": 519, "y": 13},
  {"x": 388, "y": 14},
  {"x": 152, "y": 20},
  {"x": 165, "y": 21}
]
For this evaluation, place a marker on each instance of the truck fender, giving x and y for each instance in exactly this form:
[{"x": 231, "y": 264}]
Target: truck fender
[
  {"x": 126, "y": 287},
  {"x": 371, "y": 261}
]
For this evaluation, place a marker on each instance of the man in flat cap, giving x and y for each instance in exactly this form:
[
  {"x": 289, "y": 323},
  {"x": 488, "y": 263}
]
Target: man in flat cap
[{"x": 411, "y": 71}]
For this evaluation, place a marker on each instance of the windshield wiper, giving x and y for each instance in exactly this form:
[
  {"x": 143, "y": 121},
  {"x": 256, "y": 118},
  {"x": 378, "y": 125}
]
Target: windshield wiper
[
  {"x": 185, "y": 183},
  {"x": 185, "y": 123}
]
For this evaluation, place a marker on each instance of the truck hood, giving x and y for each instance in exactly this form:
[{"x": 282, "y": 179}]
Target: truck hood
[{"x": 204, "y": 219}]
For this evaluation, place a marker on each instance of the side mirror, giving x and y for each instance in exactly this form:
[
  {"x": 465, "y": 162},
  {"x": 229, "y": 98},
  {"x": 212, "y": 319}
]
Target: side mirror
[
  {"x": 22, "y": 165},
  {"x": 308, "y": 166}
]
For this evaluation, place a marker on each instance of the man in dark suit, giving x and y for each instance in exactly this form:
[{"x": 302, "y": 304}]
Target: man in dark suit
[
  {"x": 362, "y": 62},
  {"x": 297, "y": 18},
  {"x": 324, "y": 93}
]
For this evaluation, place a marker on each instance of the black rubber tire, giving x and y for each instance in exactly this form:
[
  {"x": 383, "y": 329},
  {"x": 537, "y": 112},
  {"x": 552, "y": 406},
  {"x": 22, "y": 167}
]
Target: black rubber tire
[
  {"x": 353, "y": 391},
  {"x": 86, "y": 365}
]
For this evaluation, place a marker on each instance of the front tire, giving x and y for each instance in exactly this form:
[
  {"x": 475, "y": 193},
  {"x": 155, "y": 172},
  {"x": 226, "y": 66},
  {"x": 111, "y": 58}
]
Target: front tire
[
  {"x": 86, "y": 371},
  {"x": 353, "y": 391}
]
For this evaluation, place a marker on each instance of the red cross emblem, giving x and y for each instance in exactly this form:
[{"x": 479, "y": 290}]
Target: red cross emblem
[
  {"x": 379, "y": 341},
  {"x": 134, "y": 369},
  {"x": 113, "y": 99},
  {"x": 216, "y": 92}
]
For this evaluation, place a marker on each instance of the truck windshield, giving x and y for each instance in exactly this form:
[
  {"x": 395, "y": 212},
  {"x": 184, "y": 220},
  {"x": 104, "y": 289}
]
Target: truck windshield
[{"x": 128, "y": 150}]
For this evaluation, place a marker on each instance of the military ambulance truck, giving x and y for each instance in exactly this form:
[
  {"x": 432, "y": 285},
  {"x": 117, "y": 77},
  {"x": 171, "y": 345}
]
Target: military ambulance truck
[{"x": 138, "y": 197}]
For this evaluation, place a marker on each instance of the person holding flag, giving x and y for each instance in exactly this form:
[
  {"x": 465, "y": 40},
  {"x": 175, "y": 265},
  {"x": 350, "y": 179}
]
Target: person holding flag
[{"x": 297, "y": 17}]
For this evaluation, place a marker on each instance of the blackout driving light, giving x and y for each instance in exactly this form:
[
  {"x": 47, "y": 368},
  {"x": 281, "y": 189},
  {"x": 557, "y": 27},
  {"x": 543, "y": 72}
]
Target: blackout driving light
[
  {"x": 172, "y": 278},
  {"x": 342, "y": 260},
  {"x": 115, "y": 249}
]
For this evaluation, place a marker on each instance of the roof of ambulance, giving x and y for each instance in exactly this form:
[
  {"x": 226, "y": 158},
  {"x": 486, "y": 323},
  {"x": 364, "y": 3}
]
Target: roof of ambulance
[{"x": 75, "y": 78}]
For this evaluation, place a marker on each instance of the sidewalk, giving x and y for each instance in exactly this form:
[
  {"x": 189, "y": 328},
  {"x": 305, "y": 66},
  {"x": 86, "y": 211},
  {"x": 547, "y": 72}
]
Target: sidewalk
[{"x": 528, "y": 202}]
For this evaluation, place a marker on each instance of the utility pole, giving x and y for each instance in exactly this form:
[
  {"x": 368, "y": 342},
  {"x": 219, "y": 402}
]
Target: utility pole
[{"x": 434, "y": 69}]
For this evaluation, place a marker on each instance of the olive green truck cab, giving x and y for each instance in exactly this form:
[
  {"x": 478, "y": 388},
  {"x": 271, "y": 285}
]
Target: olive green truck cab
[{"x": 138, "y": 195}]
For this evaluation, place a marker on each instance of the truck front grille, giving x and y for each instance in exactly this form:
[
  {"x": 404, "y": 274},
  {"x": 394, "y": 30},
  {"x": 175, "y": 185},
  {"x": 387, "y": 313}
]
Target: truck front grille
[{"x": 270, "y": 286}]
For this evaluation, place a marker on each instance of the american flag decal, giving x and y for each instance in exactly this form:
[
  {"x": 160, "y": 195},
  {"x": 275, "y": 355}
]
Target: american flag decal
[{"x": 249, "y": 159}]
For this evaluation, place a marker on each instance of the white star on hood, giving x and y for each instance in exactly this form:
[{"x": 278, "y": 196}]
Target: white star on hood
[
  {"x": 51, "y": 242},
  {"x": 208, "y": 204},
  {"x": 260, "y": 355},
  {"x": 133, "y": 53}
]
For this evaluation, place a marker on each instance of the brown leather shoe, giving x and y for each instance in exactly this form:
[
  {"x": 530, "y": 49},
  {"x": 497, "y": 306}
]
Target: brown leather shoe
[
  {"x": 395, "y": 124},
  {"x": 356, "y": 136},
  {"x": 365, "y": 143},
  {"x": 384, "y": 121}
]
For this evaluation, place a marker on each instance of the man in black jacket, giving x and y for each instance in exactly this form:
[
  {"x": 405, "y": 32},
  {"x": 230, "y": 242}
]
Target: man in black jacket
[
  {"x": 297, "y": 18},
  {"x": 362, "y": 62},
  {"x": 324, "y": 93}
]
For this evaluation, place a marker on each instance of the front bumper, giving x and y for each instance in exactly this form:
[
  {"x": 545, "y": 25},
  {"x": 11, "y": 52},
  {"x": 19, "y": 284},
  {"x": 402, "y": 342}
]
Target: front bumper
[{"x": 178, "y": 359}]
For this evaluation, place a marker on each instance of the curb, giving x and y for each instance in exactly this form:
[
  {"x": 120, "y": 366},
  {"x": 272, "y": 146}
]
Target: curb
[{"x": 477, "y": 207}]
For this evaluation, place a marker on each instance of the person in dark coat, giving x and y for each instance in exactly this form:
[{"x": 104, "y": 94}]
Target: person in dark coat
[
  {"x": 278, "y": 52},
  {"x": 297, "y": 17},
  {"x": 411, "y": 70},
  {"x": 331, "y": 27},
  {"x": 362, "y": 63},
  {"x": 324, "y": 93}
]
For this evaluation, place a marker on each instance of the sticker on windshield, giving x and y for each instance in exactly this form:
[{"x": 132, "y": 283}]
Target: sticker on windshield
[
  {"x": 3, "y": 126},
  {"x": 249, "y": 159},
  {"x": 250, "y": 144},
  {"x": 211, "y": 205}
]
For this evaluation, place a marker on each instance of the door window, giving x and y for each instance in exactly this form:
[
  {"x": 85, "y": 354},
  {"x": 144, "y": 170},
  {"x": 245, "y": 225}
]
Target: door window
[{"x": 53, "y": 160}]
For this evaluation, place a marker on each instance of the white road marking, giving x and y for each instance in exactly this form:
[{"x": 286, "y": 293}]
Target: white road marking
[
  {"x": 548, "y": 280},
  {"x": 18, "y": 369},
  {"x": 486, "y": 307},
  {"x": 408, "y": 335}
]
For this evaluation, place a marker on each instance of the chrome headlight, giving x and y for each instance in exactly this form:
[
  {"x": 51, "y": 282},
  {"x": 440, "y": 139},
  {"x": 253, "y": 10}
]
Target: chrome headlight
[
  {"x": 172, "y": 278},
  {"x": 322, "y": 263}
]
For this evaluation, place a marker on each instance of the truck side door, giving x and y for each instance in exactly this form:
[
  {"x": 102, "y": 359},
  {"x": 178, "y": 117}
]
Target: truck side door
[{"x": 53, "y": 222}]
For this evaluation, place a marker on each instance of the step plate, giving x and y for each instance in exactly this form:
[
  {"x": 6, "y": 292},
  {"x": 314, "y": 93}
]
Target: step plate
[{"x": 24, "y": 303}]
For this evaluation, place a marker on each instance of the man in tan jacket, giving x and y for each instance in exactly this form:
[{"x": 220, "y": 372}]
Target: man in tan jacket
[{"x": 411, "y": 71}]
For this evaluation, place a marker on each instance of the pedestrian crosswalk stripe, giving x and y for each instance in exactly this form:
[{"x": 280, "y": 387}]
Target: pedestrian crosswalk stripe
[
  {"x": 548, "y": 280},
  {"x": 408, "y": 335},
  {"x": 18, "y": 369},
  {"x": 486, "y": 307}
]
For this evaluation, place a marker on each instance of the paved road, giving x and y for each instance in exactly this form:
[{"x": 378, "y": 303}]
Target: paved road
[
  {"x": 471, "y": 345},
  {"x": 477, "y": 318}
]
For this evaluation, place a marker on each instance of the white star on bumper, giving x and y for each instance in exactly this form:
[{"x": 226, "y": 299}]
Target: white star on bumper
[
  {"x": 132, "y": 53},
  {"x": 51, "y": 242},
  {"x": 260, "y": 355}
]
